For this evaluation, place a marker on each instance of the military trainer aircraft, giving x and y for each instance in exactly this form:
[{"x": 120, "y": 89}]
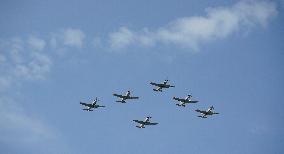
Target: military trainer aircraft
[
  {"x": 207, "y": 112},
  {"x": 145, "y": 122},
  {"x": 125, "y": 97},
  {"x": 92, "y": 105},
  {"x": 184, "y": 101},
  {"x": 160, "y": 86}
]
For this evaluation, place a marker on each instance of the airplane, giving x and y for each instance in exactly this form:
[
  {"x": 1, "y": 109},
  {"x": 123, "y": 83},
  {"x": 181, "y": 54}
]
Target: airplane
[
  {"x": 125, "y": 97},
  {"x": 184, "y": 101},
  {"x": 145, "y": 122},
  {"x": 160, "y": 86},
  {"x": 207, "y": 112},
  {"x": 92, "y": 105}
]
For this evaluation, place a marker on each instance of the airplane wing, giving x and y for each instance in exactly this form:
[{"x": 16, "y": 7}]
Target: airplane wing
[
  {"x": 179, "y": 99},
  {"x": 191, "y": 101},
  {"x": 85, "y": 104},
  {"x": 204, "y": 112},
  {"x": 133, "y": 97},
  {"x": 155, "y": 84},
  {"x": 120, "y": 96},
  {"x": 139, "y": 121},
  {"x": 151, "y": 123}
]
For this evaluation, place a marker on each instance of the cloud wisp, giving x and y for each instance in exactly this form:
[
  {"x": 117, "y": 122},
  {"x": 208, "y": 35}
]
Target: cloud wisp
[
  {"x": 31, "y": 58},
  {"x": 23, "y": 60},
  {"x": 18, "y": 127},
  {"x": 69, "y": 37},
  {"x": 36, "y": 43},
  {"x": 218, "y": 23}
]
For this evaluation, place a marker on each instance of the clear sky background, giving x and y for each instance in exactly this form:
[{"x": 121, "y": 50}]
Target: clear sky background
[{"x": 54, "y": 54}]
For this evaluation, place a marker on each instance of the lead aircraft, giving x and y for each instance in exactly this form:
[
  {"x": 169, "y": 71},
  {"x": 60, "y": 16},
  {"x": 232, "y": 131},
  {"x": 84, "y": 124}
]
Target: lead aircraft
[
  {"x": 92, "y": 105},
  {"x": 207, "y": 112},
  {"x": 125, "y": 97},
  {"x": 184, "y": 101},
  {"x": 145, "y": 122},
  {"x": 160, "y": 86}
]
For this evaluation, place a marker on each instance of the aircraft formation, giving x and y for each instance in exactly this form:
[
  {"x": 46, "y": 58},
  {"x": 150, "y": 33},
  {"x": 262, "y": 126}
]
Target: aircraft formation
[{"x": 158, "y": 88}]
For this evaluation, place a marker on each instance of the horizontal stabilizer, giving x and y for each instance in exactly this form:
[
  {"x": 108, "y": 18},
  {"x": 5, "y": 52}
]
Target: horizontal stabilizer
[
  {"x": 140, "y": 127},
  {"x": 121, "y": 101},
  {"x": 201, "y": 116},
  {"x": 157, "y": 90},
  {"x": 180, "y": 105},
  {"x": 87, "y": 110}
]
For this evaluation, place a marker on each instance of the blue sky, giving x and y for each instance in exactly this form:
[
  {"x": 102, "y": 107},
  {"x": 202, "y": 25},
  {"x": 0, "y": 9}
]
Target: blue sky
[{"x": 54, "y": 54}]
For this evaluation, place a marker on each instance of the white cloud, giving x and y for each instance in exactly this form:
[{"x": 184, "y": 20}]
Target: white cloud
[
  {"x": 73, "y": 37},
  {"x": 123, "y": 37},
  {"x": 36, "y": 43},
  {"x": 219, "y": 23},
  {"x": 14, "y": 47},
  {"x": 20, "y": 59},
  {"x": 18, "y": 127},
  {"x": 37, "y": 68},
  {"x": 19, "y": 62},
  {"x": 66, "y": 39}
]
